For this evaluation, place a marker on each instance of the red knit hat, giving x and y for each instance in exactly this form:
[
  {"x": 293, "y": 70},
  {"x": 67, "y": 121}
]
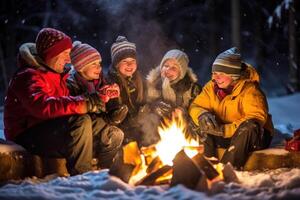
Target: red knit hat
[
  {"x": 83, "y": 54},
  {"x": 51, "y": 42}
]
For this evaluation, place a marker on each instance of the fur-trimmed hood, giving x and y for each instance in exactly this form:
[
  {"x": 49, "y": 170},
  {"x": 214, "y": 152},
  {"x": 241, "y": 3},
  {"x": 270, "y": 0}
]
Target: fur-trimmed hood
[
  {"x": 28, "y": 58},
  {"x": 154, "y": 76},
  {"x": 28, "y": 53},
  {"x": 157, "y": 87}
]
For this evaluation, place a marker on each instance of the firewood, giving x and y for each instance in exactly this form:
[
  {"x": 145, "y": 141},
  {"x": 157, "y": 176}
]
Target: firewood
[
  {"x": 202, "y": 163},
  {"x": 127, "y": 162},
  {"x": 151, "y": 178},
  {"x": 120, "y": 169},
  {"x": 154, "y": 165},
  {"x": 149, "y": 153},
  {"x": 185, "y": 171},
  {"x": 229, "y": 174}
]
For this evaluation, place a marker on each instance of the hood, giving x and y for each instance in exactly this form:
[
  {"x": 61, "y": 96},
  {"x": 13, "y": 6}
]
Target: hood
[
  {"x": 28, "y": 58},
  {"x": 28, "y": 53},
  {"x": 249, "y": 73},
  {"x": 154, "y": 76}
]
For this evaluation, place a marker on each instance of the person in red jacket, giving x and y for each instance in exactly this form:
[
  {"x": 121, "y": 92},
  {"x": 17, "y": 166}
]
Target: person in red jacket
[{"x": 39, "y": 112}]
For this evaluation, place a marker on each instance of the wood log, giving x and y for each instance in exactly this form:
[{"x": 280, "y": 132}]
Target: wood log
[
  {"x": 202, "y": 163},
  {"x": 272, "y": 158},
  {"x": 151, "y": 178},
  {"x": 126, "y": 162},
  {"x": 185, "y": 171}
]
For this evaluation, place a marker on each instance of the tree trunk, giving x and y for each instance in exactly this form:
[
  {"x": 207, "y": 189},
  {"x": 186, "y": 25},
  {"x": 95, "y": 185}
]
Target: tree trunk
[
  {"x": 213, "y": 25},
  {"x": 294, "y": 82},
  {"x": 235, "y": 23},
  {"x": 3, "y": 69},
  {"x": 259, "y": 47}
]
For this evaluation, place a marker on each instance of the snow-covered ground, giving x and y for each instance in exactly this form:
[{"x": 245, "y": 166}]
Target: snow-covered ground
[
  {"x": 272, "y": 184},
  {"x": 285, "y": 112}
]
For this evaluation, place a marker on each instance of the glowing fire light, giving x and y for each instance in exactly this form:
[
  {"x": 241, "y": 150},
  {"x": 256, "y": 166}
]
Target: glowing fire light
[{"x": 173, "y": 139}]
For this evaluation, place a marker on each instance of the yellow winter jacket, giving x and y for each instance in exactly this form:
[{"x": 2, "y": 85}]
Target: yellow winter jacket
[{"x": 246, "y": 101}]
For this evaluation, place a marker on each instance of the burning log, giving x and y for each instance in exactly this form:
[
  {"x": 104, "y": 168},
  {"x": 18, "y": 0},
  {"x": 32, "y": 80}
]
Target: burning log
[
  {"x": 205, "y": 165},
  {"x": 156, "y": 177},
  {"x": 126, "y": 162},
  {"x": 229, "y": 174},
  {"x": 154, "y": 165},
  {"x": 187, "y": 173}
]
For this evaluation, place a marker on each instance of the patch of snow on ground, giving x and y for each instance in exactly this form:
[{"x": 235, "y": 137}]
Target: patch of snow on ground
[
  {"x": 273, "y": 184},
  {"x": 285, "y": 112}
]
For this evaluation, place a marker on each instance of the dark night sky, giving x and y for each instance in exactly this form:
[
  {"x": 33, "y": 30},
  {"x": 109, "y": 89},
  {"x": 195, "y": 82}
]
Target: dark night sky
[{"x": 201, "y": 28}]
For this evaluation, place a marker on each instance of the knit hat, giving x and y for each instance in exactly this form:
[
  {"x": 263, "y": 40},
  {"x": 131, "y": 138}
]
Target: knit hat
[
  {"x": 51, "y": 42},
  {"x": 83, "y": 54},
  {"x": 122, "y": 49},
  {"x": 228, "y": 62},
  {"x": 180, "y": 57}
]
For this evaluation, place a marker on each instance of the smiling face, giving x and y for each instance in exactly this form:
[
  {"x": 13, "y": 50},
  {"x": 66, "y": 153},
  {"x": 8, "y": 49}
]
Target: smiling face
[
  {"x": 222, "y": 80},
  {"x": 58, "y": 62},
  {"x": 92, "y": 71},
  {"x": 127, "y": 66},
  {"x": 170, "y": 69}
]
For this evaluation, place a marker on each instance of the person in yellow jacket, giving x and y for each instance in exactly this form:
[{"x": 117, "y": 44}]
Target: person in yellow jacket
[{"x": 232, "y": 110}]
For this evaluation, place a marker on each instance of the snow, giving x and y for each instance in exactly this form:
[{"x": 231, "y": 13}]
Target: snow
[
  {"x": 275, "y": 184},
  {"x": 281, "y": 183},
  {"x": 276, "y": 151},
  {"x": 285, "y": 112}
]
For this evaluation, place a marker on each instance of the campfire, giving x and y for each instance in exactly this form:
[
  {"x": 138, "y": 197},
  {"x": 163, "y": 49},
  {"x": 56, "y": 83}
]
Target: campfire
[{"x": 174, "y": 160}]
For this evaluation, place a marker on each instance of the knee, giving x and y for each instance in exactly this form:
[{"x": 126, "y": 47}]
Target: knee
[
  {"x": 250, "y": 124},
  {"x": 84, "y": 120},
  {"x": 118, "y": 135},
  {"x": 83, "y": 125},
  {"x": 249, "y": 127},
  {"x": 112, "y": 137}
]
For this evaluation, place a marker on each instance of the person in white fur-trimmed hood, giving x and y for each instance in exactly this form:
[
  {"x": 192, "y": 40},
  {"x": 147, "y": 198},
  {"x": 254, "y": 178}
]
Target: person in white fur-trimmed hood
[
  {"x": 172, "y": 85},
  {"x": 173, "y": 81}
]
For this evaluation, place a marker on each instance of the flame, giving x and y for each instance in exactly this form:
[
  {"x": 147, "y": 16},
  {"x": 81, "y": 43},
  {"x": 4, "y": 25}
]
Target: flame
[
  {"x": 173, "y": 139},
  {"x": 219, "y": 167},
  {"x": 172, "y": 134},
  {"x": 139, "y": 172}
]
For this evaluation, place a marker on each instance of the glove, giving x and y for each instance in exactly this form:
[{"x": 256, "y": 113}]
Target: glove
[
  {"x": 194, "y": 132},
  {"x": 207, "y": 121},
  {"x": 162, "y": 109},
  {"x": 216, "y": 132},
  {"x": 94, "y": 103},
  {"x": 108, "y": 92},
  {"x": 116, "y": 116},
  {"x": 208, "y": 124}
]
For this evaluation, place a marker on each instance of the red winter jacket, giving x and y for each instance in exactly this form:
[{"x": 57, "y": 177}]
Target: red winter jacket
[{"x": 35, "y": 95}]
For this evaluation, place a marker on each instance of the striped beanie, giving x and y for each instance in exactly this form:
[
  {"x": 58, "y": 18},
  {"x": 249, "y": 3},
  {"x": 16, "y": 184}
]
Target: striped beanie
[
  {"x": 180, "y": 57},
  {"x": 83, "y": 54},
  {"x": 122, "y": 49},
  {"x": 51, "y": 42},
  {"x": 228, "y": 62}
]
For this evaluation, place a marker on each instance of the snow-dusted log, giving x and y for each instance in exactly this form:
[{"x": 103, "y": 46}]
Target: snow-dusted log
[{"x": 272, "y": 158}]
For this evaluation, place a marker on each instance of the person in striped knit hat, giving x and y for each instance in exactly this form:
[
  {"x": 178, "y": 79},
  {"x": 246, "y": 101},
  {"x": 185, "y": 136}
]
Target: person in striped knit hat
[
  {"x": 86, "y": 77},
  {"x": 232, "y": 110},
  {"x": 124, "y": 71}
]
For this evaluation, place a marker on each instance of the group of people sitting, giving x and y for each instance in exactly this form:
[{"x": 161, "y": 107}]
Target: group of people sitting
[{"x": 60, "y": 105}]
